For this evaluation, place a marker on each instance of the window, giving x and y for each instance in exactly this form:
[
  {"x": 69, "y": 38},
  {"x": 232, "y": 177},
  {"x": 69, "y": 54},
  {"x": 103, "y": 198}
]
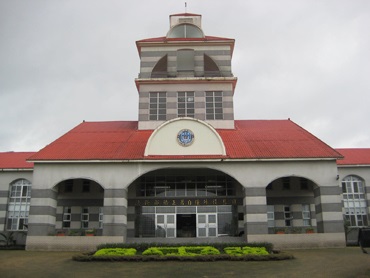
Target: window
[
  {"x": 85, "y": 218},
  {"x": 303, "y": 183},
  {"x": 86, "y": 186},
  {"x": 270, "y": 216},
  {"x": 288, "y": 216},
  {"x": 214, "y": 106},
  {"x": 185, "y": 60},
  {"x": 185, "y": 104},
  {"x": 66, "y": 217},
  {"x": 185, "y": 31},
  {"x": 181, "y": 186},
  {"x": 354, "y": 201},
  {"x": 157, "y": 106},
  {"x": 286, "y": 183},
  {"x": 68, "y": 186},
  {"x": 306, "y": 215},
  {"x": 101, "y": 214},
  {"x": 19, "y": 205}
]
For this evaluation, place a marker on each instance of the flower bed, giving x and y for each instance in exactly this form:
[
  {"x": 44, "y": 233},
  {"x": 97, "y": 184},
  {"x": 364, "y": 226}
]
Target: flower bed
[{"x": 183, "y": 253}]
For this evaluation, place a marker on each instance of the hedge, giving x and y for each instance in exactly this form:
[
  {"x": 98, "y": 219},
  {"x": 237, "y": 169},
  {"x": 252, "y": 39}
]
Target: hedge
[
  {"x": 116, "y": 252},
  {"x": 141, "y": 247}
]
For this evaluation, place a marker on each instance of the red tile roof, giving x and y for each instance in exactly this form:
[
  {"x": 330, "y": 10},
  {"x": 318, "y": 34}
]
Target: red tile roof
[
  {"x": 165, "y": 39},
  {"x": 251, "y": 139},
  {"x": 354, "y": 156},
  {"x": 15, "y": 160}
]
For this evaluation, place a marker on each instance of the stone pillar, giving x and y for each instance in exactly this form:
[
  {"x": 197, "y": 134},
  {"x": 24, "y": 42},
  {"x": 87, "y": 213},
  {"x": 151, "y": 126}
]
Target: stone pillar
[
  {"x": 255, "y": 211},
  {"x": 328, "y": 206},
  {"x": 115, "y": 213},
  {"x": 42, "y": 214}
]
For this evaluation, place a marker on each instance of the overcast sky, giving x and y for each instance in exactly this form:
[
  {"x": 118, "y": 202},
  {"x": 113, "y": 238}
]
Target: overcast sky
[{"x": 62, "y": 62}]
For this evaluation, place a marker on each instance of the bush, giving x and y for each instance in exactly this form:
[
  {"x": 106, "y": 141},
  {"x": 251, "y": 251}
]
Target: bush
[
  {"x": 246, "y": 250},
  {"x": 141, "y": 247},
  {"x": 181, "y": 251},
  {"x": 116, "y": 252}
]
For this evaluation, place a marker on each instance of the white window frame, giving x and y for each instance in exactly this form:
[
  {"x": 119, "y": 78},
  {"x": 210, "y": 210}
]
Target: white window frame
[
  {"x": 214, "y": 105},
  {"x": 67, "y": 217},
  {"x": 271, "y": 216},
  {"x": 85, "y": 217},
  {"x": 354, "y": 201},
  {"x": 101, "y": 217},
  {"x": 306, "y": 215},
  {"x": 19, "y": 205},
  {"x": 157, "y": 106},
  {"x": 185, "y": 104}
]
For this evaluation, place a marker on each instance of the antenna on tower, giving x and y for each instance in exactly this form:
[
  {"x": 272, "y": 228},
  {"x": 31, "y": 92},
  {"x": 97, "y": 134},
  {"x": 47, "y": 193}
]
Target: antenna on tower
[{"x": 186, "y": 6}]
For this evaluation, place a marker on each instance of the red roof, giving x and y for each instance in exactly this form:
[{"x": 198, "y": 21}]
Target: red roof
[
  {"x": 15, "y": 160},
  {"x": 354, "y": 157},
  {"x": 165, "y": 39},
  {"x": 251, "y": 139}
]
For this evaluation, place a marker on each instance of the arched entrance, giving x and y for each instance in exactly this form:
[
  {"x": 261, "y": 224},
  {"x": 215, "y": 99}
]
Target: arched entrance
[
  {"x": 79, "y": 206},
  {"x": 184, "y": 203},
  {"x": 291, "y": 205}
]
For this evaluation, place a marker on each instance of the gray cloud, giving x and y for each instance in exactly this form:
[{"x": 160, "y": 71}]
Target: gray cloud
[{"x": 62, "y": 62}]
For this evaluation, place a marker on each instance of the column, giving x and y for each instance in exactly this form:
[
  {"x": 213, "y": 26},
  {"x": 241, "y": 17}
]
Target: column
[
  {"x": 115, "y": 213},
  {"x": 328, "y": 205},
  {"x": 42, "y": 214},
  {"x": 255, "y": 211}
]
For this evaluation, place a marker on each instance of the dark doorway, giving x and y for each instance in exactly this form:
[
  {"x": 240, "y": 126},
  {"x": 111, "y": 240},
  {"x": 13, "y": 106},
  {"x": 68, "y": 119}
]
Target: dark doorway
[{"x": 186, "y": 225}]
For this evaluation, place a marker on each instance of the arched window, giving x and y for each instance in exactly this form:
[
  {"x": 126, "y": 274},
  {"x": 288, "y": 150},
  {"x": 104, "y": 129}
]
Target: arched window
[
  {"x": 19, "y": 205},
  {"x": 160, "y": 69},
  {"x": 354, "y": 201},
  {"x": 210, "y": 67},
  {"x": 185, "y": 31}
]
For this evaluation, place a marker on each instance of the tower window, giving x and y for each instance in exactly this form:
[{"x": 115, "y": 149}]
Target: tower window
[
  {"x": 157, "y": 106},
  {"x": 185, "y": 31},
  {"x": 185, "y": 60},
  {"x": 214, "y": 106},
  {"x": 185, "y": 104}
]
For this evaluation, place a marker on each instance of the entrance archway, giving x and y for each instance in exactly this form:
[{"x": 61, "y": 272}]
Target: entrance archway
[
  {"x": 184, "y": 203},
  {"x": 291, "y": 205},
  {"x": 79, "y": 206}
]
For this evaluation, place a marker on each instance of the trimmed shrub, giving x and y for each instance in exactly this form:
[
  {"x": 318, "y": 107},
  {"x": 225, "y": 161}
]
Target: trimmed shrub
[
  {"x": 181, "y": 251},
  {"x": 141, "y": 247},
  {"x": 246, "y": 250},
  {"x": 116, "y": 252}
]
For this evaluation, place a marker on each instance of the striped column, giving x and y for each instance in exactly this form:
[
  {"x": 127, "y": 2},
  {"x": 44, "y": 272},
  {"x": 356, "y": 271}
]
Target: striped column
[
  {"x": 255, "y": 211},
  {"x": 115, "y": 213},
  {"x": 328, "y": 205},
  {"x": 42, "y": 214},
  {"x": 4, "y": 197}
]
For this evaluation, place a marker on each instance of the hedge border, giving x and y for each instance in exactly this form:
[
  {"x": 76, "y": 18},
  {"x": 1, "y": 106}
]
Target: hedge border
[
  {"x": 88, "y": 257},
  {"x": 141, "y": 247}
]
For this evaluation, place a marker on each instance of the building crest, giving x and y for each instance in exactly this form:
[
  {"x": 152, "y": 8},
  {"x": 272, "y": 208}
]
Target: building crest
[{"x": 185, "y": 137}]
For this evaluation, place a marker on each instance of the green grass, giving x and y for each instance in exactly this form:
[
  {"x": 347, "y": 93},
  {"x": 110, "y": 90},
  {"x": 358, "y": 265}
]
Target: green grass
[{"x": 341, "y": 262}]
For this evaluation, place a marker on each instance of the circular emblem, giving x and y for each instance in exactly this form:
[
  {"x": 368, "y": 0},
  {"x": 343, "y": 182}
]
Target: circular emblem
[{"x": 185, "y": 137}]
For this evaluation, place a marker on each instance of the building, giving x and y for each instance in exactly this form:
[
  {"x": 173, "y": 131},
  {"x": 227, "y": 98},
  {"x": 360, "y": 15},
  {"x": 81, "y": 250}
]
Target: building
[{"x": 186, "y": 171}]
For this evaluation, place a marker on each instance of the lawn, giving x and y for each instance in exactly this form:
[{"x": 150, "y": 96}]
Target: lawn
[{"x": 342, "y": 262}]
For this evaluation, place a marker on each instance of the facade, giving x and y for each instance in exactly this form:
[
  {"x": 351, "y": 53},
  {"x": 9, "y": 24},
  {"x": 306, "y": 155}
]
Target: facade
[{"x": 186, "y": 171}]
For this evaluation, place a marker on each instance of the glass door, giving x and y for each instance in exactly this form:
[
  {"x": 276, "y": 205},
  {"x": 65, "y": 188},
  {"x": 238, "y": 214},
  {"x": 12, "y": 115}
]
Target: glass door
[
  {"x": 206, "y": 225},
  {"x": 165, "y": 225}
]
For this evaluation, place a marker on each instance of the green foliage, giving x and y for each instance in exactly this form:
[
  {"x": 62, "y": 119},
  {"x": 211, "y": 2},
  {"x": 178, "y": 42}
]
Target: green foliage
[
  {"x": 246, "y": 250},
  {"x": 141, "y": 247},
  {"x": 7, "y": 238},
  {"x": 116, "y": 252},
  {"x": 181, "y": 251}
]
